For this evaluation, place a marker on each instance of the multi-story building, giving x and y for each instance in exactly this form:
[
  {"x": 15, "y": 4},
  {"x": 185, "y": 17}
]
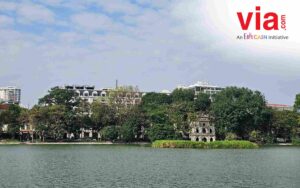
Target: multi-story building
[
  {"x": 203, "y": 87},
  {"x": 202, "y": 129},
  {"x": 10, "y": 95},
  {"x": 118, "y": 95},
  {"x": 85, "y": 92}
]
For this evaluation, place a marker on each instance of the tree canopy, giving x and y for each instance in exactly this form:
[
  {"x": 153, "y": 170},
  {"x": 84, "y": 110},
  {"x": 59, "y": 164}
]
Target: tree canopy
[{"x": 238, "y": 110}]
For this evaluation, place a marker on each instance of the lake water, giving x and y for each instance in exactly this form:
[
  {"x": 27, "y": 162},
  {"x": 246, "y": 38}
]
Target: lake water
[{"x": 134, "y": 166}]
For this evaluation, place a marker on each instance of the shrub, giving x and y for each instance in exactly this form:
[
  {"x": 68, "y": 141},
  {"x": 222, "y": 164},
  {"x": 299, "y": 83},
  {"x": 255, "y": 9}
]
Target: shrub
[
  {"x": 233, "y": 144},
  {"x": 296, "y": 141},
  {"x": 231, "y": 136},
  {"x": 109, "y": 133}
]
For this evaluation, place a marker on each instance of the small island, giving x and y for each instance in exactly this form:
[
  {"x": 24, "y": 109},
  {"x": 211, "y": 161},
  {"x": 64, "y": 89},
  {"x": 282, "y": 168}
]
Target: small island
[{"x": 228, "y": 144}]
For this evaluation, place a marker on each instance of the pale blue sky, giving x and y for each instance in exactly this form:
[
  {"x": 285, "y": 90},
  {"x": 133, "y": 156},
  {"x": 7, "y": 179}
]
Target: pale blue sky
[{"x": 153, "y": 44}]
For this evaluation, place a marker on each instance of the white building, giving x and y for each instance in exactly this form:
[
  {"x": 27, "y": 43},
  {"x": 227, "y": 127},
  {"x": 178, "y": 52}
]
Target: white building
[
  {"x": 10, "y": 95},
  {"x": 85, "y": 92},
  {"x": 90, "y": 94},
  {"x": 203, "y": 87}
]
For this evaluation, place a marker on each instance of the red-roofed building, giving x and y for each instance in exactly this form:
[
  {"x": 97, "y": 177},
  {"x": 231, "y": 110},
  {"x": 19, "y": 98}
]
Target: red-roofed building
[
  {"x": 3, "y": 107},
  {"x": 280, "y": 107}
]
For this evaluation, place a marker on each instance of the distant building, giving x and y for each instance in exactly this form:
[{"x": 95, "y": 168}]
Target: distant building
[
  {"x": 120, "y": 96},
  {"x": 4, "y": 107},
  {"x": 10, "y": 95},
  {"x": 85, "y": 92},
  {"x": 167, "y": 92},
  {"x": 280, "y": 107},
  {"x": 202, "y": 129},
  {"x": 203, "y": 87}
]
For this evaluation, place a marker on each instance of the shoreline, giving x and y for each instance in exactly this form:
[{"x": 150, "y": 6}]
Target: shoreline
[
  {"x": 74, "y": 143},
  {"x": 115, "y": 143}
]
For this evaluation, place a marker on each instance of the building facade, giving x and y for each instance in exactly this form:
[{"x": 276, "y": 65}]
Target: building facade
[
  {"x": 85, "y": 92},
  {"x": 203, "y": 87},
  {"x": 202, "y": 129},
  {"x": 280, "y": 107},
  {"x": 10, "y": 95},
  {"x": 106, "y": 95}
]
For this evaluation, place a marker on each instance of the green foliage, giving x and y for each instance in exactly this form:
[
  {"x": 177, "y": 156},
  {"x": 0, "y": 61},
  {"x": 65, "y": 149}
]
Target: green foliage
[
  {"x": 296, "y": 141},
  {"x": 156, "y": 99},
  {"x": 230, "y": 136},
  {"x": 256, "y": 136},
  {"x": 238, "y": 110},
  {"x": 181, "y": 95},
  {"x": 109, "y": 133},
  {"x": 234, "y": 144},
  {"x": 283, "y": 124},
  {"x": 239, "y": 113},
  {"x": 179, "y": 115},
  {"x": 202, "y": 102},
  {"x": 297, "y": 103},
  {"x": 103, "y": 115},
  {"x": 162, "y": 131},
  {"x": 57, "y": 96},
  {"x": 133, "y": 124},
  {"x": 11, "y": 117},
  {"x": 50, "y": 121},
  {"x": 128, "y": 131}
]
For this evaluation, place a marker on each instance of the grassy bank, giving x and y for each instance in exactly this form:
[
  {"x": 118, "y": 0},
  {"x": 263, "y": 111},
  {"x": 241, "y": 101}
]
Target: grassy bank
[
  {"x": 234, "y": 144},
  {"x": 296, "y": 142}
]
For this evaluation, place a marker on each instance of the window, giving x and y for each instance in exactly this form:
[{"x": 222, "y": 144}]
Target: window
[
  {"x": 86, "y": 93},
  {"x": 103, "y": 94},
  {"x": 95, "y": 93},
  {"x": 203, "y": 130}
]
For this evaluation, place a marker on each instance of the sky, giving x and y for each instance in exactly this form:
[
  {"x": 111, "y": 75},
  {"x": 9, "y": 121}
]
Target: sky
[{"x": 154, "y": 45}]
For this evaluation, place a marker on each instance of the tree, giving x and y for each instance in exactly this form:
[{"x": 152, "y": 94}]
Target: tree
[
  {"x": 179, "y": 95},
  {"x": 58, "y": 96},
  {"x": 179, "y": 115},
  {"x": 156, "y": 99},
  {"x": 202, "y": 102},
  {"x": 238, "y": 110},
  {"x": 162, "y": 132},
  {"x": 284, "y": 123},
  {"x": 103, "y": 115},
  {"x": 297, "y": 103},
  {"x": 49, "y": 121},
  {"x": 132, "y": 129},
  {"x": 109, "y": 133},
  {"x": 11, "y": 117}
]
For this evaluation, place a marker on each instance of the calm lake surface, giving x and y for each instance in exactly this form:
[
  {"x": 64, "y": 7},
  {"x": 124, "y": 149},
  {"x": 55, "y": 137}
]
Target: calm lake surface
[{"x": 135, "y": 166}]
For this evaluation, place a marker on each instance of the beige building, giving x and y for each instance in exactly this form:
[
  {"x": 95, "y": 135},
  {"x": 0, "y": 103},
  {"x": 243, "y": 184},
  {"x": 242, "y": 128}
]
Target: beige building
[{"x": 202, "y": 129}]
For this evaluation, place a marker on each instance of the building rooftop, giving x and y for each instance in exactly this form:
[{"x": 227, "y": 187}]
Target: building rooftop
[{"x": 199, "y": 84}]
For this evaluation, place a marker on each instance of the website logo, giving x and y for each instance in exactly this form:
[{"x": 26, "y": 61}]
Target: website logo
[{"x": 262, "y": 21}]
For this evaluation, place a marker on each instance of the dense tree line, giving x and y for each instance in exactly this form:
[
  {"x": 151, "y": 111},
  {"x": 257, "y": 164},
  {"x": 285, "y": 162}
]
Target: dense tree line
[{"x": 238, "y": 113}]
